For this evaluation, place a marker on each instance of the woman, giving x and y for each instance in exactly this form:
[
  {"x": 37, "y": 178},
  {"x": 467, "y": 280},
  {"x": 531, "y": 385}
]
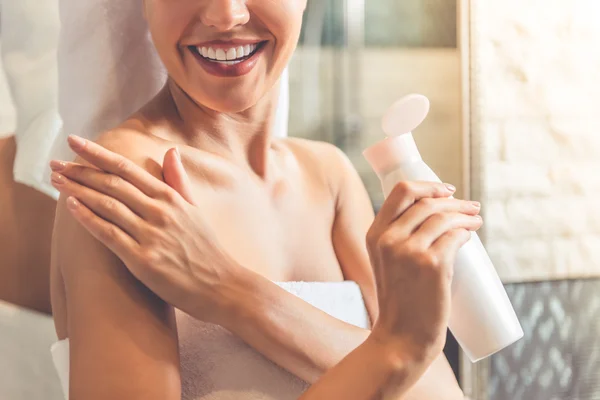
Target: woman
[{"x": 264, "y": 210}]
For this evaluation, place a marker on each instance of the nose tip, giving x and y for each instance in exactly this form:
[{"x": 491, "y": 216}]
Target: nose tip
[{"x": 225, "y": 15}]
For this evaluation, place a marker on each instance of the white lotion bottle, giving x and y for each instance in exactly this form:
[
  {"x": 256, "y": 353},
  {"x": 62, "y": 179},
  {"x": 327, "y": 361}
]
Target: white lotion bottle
[{"x": 482, "y": 319}]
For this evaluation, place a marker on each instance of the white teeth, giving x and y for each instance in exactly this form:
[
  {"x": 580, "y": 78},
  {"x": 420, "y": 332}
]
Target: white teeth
[
  {"x": 221, "y": 56},
  {"x": 211, "y": 53},
  {"x": 227, "y": 56},
  {"x": 231, "y": 54}
]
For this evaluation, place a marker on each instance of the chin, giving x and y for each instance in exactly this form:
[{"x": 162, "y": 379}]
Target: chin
[{"x": 229, "y": 102}]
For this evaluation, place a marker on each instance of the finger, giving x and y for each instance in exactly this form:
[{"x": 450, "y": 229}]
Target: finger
[
  {"x": 118, "y": 165},
  {"x": 423, "y": 209},
  {"x": 113, "y": 237},
  {"x": 103, "y": 206},
  {"x": 175, "y": 175},
  {"x": 448, "y": 245},
  {"x": 405, "y": 194},
  {"x": 439, "y": 224},
  {"x": 111, "y": 185}
]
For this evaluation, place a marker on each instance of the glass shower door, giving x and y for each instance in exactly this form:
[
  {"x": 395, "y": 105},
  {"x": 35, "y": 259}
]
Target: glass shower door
[{"x": 355, "y": 58}]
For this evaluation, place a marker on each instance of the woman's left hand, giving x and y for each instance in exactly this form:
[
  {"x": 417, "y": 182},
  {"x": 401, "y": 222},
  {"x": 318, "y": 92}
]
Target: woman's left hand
[{"x": 157, "y": 232}]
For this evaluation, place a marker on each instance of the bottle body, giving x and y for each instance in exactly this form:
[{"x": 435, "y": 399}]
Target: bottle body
[{"x": 482, "y": 319}]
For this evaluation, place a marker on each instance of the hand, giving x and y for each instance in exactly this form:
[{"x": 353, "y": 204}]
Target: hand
[
  {"x": 413, "y": 244},
  {"x": 158, "y": 232}
]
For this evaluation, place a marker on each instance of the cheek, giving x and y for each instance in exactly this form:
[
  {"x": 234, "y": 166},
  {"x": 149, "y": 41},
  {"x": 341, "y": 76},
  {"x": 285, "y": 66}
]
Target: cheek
[
  {"x": 166, "y": 24},
  {"x": 284, "y": 19}
]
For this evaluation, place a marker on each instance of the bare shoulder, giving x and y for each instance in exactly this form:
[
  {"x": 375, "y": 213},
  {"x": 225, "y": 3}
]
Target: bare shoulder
[
  {"x": 84, "y": 270},
  {"x": 325, "y": 152},
  {"x": 325, "y": 158},
  {"x": 72, "y": 244},
  {"x": 136, "y": 145}
]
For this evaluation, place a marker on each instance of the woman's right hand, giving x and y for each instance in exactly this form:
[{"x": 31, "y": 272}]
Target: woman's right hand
[{"x": 413, "y": 244}]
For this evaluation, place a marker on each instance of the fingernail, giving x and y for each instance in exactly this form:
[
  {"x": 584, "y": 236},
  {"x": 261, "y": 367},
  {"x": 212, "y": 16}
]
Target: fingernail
[
  {"x": 450, "y": 187},
  {"x": 57, "y": 178},
  {"x": 57, "y": 165},
  {"x": 72, "y": 203},
  {"x": 76, "y": 142},
  {"x": 476, "y": 204},
  {"x": 177, "y": 153}
]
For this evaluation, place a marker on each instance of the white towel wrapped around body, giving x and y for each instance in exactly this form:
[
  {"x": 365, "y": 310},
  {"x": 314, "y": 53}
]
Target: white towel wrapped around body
[{"x": 216, "y": 365}]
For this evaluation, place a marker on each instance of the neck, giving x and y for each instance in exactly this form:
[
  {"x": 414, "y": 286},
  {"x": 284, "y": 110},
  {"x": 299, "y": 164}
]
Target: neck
[{"x": 244, "y": 138}]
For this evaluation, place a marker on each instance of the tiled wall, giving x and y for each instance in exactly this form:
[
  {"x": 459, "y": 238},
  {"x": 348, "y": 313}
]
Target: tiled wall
[
  {"x": 537, "y": 84},
  {"x": 385, "y": 75},
  {"x": 559, "y": 357}
]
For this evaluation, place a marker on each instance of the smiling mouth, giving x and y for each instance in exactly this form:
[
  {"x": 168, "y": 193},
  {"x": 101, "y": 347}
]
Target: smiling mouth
[{"x": 227, "y": 56}]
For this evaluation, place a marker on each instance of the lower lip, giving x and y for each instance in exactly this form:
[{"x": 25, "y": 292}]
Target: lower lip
[{"x": 228, "y": 71}]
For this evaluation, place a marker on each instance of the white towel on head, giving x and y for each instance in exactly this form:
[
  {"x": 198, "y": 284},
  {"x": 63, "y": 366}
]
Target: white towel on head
[{"x": 29, "y": 41}]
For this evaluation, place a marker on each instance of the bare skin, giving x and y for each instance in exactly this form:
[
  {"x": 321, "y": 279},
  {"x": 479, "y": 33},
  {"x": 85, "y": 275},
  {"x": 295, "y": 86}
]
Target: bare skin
[
  {"x": 279, "y": 210},
  {"x": 308, "y": 216},
  {"x": 26, "y": 220}
]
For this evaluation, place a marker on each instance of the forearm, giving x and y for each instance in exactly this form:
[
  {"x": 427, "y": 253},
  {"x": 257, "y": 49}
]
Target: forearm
[
  {"x": 367, "y": 373},
  {"x": 290, "y": 332}
]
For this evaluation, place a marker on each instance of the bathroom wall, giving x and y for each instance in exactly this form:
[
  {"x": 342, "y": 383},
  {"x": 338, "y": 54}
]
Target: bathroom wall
[
  {"x": 559, "y": 357},
  {"x": 536, "y": 82}
]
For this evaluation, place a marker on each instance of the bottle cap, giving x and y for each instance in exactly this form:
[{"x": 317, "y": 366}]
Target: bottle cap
[
  {"x": 399, "y": 147},
  {"x": 405, "y": 115}
]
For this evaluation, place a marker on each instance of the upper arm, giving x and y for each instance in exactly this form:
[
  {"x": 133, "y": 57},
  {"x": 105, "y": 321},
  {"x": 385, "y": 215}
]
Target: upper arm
[
  {"x": 353, "y": 217},
  {"x": 123, "y": 338}
]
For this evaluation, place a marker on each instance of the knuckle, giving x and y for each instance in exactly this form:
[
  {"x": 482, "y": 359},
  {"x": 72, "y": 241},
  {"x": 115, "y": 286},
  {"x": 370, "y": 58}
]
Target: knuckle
[
  {"x": 123, "y": 165},
  {"x": 163, "y": 217},
  {"x": 428, "y": 203},
  {"x": 429, "y": 260},
  {"x": 440, "y": 218},
  {"x": 387, "y": 244},
  {"x": 149, "y": 257},
  {"x": 113, "y": 182},
  {"x": 109, "y": 204},
  {"x": 372, "y": 238},
  {"x": 412, "y": 250},
  {"x": 110, "y": 233},
  {"x": 170, "y": 195}
]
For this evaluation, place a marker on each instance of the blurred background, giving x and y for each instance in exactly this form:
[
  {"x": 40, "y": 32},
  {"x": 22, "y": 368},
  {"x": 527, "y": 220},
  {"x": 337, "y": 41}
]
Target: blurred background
[
  {"x": 357, "y": 57},
  {"x": 514, "y": 123}
]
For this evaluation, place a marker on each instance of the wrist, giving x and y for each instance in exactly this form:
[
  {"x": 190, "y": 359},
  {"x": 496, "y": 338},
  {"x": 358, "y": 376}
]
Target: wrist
[
  {"x": 241, "y": 298},
  {"x": 402, "y": 352}
]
